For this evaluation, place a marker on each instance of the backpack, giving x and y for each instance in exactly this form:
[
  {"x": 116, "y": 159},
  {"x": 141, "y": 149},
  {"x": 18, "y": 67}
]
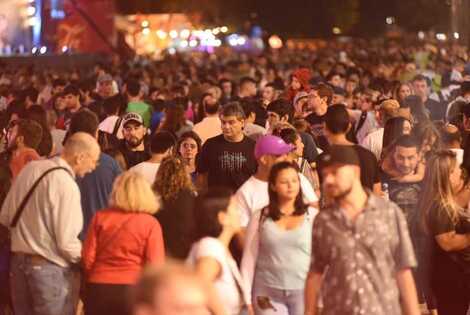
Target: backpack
[{"x": 109, "y": 141}]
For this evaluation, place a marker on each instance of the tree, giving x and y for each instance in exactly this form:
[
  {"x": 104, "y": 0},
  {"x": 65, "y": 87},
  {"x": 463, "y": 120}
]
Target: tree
[{"x": 415, "y": 15}]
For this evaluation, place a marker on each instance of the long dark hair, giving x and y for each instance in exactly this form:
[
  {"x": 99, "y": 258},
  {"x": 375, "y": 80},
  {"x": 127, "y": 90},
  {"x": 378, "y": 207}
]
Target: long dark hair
[
  {"x": 274, "y": 212},
  {"x": 392, "y": 131},
  {"x": 207, "y": 209},
  {"x": 174, "y": 119}
]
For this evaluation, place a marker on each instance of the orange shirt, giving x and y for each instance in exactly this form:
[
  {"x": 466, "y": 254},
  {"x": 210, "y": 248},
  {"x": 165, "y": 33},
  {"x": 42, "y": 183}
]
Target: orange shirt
[
  {"x": 20, "y": 158},
  {"x": 119, "y": 244}
]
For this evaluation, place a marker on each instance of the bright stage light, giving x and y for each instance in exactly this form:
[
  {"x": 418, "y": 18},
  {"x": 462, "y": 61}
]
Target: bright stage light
[
  {"x": 184, "y": 44},
  {"x": 161, "y": 34},
  {"x": 336, "y": 30},
  {"x": 241, "y": 41},
  {"x": 275, "y": 42},
  {"x": 441, "y": 36},
  {"x": 185, "y": 33},
  {"x": 173, "y": 34}
]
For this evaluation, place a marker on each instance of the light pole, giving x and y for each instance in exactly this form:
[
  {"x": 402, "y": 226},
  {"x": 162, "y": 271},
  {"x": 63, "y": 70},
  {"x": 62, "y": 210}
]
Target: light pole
[{"x": 460, "y": 20}]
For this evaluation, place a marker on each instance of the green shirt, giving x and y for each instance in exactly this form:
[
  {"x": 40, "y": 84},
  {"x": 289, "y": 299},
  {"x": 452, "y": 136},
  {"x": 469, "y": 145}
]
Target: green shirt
[{"x": 141, "y": 108}]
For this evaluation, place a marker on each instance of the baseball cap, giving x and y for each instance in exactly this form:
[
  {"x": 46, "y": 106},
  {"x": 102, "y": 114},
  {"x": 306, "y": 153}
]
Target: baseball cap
[
  {"x": 132, "y": 117},
  {"x": 272, "y": 145},
  {"x": 340, "y": 154},
  {"x": 105, "y": 78}
]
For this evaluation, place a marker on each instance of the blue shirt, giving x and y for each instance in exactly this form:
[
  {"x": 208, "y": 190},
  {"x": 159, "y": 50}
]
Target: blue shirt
[{"x": 96, "y": 187}]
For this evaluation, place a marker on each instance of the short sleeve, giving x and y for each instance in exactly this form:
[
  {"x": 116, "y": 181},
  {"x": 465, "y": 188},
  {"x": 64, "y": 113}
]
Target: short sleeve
[
  {"x": 319, "y": 259},
  {"x": 403, "y": 254},
  {"x": 210, "y": 247},
  {"x": 439, "y": 221},
  {"x": 202, "y": 161},
  {"x": 310, "y": 148},
  {"x": 243, "y": 208}
]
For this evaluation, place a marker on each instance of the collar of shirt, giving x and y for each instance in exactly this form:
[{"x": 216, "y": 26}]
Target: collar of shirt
[
  {"x": 371, "y": 205},
  {"x": 63, "y": 163}
]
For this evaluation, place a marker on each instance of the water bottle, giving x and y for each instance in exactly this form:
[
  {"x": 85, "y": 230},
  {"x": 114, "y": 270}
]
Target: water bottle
[{"x": 385, "y": 191}]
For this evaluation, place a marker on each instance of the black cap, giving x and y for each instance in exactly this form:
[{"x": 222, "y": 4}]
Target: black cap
[{"x": 340, "y": 155}]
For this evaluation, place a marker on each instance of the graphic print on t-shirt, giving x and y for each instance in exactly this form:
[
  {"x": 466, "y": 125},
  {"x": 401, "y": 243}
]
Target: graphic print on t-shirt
[{"x": 232, "y": 162}]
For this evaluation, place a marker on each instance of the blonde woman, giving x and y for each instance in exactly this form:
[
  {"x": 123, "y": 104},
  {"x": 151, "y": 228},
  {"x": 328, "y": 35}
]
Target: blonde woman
[
  {"x": 121, "y": 240},
  {"x": 448, "y": 273}
]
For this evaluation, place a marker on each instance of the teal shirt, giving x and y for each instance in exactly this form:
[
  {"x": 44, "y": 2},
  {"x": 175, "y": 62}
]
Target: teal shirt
[
  {"x": 284, "y": 255},
  {"x": 141, "y": 108}
]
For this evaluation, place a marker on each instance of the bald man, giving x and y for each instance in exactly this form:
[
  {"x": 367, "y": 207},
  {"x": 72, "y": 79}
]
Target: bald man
[{"x": 45, "y": 244}]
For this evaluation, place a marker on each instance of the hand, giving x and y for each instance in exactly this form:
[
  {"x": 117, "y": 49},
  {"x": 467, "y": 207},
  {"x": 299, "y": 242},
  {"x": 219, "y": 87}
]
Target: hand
[{"x": 250, "y": 310}]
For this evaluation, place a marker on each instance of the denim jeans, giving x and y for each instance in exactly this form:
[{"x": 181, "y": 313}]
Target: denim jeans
[
  {"x": 42, "y": 288},
  {"x": 270, "y": 301}
]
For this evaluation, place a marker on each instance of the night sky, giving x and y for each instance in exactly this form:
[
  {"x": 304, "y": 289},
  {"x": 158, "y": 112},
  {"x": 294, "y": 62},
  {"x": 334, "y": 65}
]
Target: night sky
[{"x": 306, "y": 18}]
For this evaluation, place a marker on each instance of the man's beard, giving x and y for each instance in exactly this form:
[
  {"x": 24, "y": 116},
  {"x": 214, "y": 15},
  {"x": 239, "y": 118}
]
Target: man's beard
[
  {"x": 339, "y": 196},
  {"x": 342, "y": 194},
  {"x": 134, "y": 142}
]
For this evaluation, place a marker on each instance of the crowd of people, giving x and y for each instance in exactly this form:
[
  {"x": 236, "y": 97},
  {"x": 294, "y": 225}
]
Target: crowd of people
[{"x": 301, "y": 182}]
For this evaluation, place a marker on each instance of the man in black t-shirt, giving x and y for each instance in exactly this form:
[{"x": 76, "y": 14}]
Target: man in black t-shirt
[
  {"x": 319, "y": 99},
  {"x": 422, "y": 88},
  {"x": 134, "y": 147},
  {"x": 337, "y": 125},
  {"x": 227, "y": 160}
]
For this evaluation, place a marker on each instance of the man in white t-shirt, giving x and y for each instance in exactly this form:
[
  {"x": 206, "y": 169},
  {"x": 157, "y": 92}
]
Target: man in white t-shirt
[
  {"x": 161, "y": 146},
  {"x": 253, "y": 194},
  {"x": 374, "y": 140}
]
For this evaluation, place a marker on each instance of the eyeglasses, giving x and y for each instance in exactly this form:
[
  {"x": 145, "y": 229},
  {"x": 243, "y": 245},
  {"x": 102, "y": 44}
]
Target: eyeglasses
[{"x": 189, "y": 146}]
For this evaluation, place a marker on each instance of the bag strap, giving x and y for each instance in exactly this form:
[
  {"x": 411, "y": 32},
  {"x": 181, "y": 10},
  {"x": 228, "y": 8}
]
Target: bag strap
[
  {"x": 105, "y": 244},
  {"x": 23, "y": 203},
  {"x": 361, "y": 122},
  {"x": 116, "y": 126}
]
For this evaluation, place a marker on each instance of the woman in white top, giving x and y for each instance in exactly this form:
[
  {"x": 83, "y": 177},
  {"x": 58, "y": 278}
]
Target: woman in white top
[
  {"x": 276, "y": 257},
  {"x": 217, "y": 221}
]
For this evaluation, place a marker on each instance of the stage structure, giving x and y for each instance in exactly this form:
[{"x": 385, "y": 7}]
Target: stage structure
[{"x": 56, "y": 26}]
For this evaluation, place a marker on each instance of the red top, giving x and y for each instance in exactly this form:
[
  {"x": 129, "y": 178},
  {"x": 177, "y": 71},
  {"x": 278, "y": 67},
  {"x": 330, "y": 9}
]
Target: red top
[
  {"x": 119, "y": 244},
  {"x": 20, "y": 158}
]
